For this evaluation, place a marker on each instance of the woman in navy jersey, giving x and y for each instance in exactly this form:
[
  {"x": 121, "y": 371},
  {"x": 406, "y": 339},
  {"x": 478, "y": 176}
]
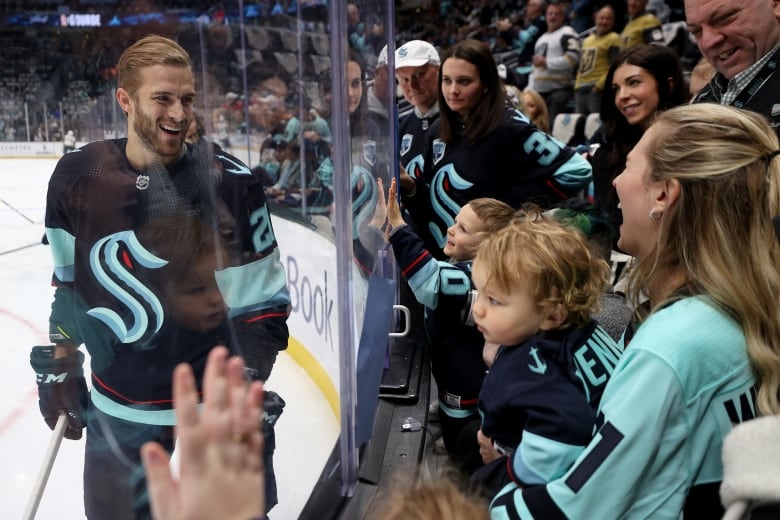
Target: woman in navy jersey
[{"x": 480, "y": 147}]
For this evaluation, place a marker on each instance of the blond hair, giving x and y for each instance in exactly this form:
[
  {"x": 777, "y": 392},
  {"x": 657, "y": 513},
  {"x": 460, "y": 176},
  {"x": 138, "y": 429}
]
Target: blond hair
[
  {"x": 720, "y": 232},
  {"x": 542, "y": 118},
  {"x": 555, "y": 260},
  {"x": 493, "y": 213},
  {"x": 148, "y": 51},
  {"x": 437, "y": 498}
]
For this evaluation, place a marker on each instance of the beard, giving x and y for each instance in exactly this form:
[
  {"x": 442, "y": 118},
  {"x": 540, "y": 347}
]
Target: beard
[{"x": 154, "y": 139}]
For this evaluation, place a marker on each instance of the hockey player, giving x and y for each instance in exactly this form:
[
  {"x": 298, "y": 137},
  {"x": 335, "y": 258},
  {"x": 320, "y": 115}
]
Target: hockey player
[
  {"x": 69, "y": 142},
  {"x": 100, "y": 198}
]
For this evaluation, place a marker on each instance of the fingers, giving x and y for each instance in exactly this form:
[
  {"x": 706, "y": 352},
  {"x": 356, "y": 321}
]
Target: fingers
[
  {"x": 163, "y": 490},
  {"x": 393, "y": 209},
  {"x": 380, "y": 211},
  {"x": 254, "y": 401},
  {"x": 214, "y": 383},
  {"x": 185, "y": 396},
  {"x": 392, "y": 193},
  {"x": 244, "y": 418},
  {"x": 381, "y": 193}
]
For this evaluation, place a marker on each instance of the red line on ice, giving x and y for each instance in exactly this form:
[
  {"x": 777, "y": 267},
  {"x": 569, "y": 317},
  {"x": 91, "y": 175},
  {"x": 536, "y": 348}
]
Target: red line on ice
[{"x": 22, "y": 407}]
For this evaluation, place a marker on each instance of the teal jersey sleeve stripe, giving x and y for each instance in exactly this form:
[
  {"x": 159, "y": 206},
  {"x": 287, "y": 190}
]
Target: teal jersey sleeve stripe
[
  {"x": 63, "y": 252},
  {"x": 425, "y": 283},
  {"x": 539, "y": 460},
  {"x": 257, "y": 285},
  {"x": 575, "y": 173},
  {"x": 127, "y": 413}
]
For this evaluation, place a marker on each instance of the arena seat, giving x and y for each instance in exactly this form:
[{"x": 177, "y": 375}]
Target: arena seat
[
  {"x": 592, "y": 124},
  {"x": 569, "y": 128}
]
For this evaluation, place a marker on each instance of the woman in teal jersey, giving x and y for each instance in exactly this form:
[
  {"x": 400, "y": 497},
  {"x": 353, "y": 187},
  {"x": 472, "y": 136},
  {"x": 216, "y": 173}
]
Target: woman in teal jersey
[{"x": 697, "y": 196}]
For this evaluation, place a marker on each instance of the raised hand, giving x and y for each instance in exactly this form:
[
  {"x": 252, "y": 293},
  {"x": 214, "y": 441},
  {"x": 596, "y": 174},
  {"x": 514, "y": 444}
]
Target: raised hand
[
  {"x": 221, "y": 469},
  {"x": 380, "y": 212},
  {"x": 394, "y": 217}
]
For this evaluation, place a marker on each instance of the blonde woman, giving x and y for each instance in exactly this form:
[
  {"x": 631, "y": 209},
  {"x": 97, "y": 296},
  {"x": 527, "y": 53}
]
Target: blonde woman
[
  {"x": 536, "y": 110},
  {"x": 698, "y": 195}
]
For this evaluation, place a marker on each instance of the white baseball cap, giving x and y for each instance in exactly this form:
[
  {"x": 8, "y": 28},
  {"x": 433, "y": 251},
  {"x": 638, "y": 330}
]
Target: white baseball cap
[
  {"x": 416, "y": 53},
  {"x": 381, "y": 60}
]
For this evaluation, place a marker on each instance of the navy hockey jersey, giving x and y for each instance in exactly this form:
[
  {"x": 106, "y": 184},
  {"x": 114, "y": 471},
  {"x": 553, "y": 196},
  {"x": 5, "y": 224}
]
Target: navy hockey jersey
[
  {"x": 103, "y": 274},
  {"x": 516, "y": 163},
  {"x": 539, "y": 399},
  {"x": 456, "y": 348},
  {"x": 412, "y": 131}
]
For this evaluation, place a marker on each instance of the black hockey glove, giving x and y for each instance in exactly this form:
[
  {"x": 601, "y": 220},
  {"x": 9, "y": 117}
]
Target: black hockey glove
[
  {"x": 61, "y": 387},
  {"x": 259, "y": 341},
  {"x": 273, "y": 405}
]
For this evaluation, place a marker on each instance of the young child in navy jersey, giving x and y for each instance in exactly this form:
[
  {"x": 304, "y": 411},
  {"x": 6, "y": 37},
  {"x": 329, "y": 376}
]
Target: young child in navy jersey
[
  {"x": 445, "y": 288},
  {"x": 538, "y": 287}
]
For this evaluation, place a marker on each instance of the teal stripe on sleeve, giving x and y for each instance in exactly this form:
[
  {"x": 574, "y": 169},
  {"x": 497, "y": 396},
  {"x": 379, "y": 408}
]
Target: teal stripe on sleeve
[
  {"x": 127, "y": 413},
  {"x": 539, "y": 460},
  {"x": 63, "y": 251},
  {"x": 259, "y": 284}
]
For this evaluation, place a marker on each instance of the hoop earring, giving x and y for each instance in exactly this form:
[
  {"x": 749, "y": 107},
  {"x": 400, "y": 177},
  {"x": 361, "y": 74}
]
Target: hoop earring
[{"x": 653, "y": 215}]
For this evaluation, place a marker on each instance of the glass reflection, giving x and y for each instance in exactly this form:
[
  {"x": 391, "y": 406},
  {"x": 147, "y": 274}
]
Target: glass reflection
[{"x": 262, "y": 85}]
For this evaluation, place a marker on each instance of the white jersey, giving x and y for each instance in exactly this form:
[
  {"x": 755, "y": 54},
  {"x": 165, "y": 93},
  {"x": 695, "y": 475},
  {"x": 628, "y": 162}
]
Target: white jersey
[{"x": 561, "y": 48}]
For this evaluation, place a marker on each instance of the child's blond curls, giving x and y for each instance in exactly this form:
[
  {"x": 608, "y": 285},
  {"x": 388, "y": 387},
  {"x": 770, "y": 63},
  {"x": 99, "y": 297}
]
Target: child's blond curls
[{"x": 554, "y": 259}]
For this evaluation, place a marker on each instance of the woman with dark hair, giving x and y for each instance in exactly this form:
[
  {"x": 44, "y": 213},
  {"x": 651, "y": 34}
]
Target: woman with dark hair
[
  {"x": 642, "y": 81},
  {"x": 481, "y": 147}
]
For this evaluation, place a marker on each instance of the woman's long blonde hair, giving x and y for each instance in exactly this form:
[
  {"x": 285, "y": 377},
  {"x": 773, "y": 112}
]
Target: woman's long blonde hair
[{"x": 720, "y": 231}]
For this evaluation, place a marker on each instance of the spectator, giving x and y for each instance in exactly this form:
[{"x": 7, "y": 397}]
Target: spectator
[
  {"x": 704, "y": 351},
  {"x": 480, "y": 147},
  {"x": 598, "y": 51},
  {"x": 417, "y": 72},
  {"x": 744, "y": 48},
  {"x": 379, "y": 97},
  {"x": 701, "y": 74},
  {"x": 641, "y": 81},
  {"x": 268, "y": 101},
  {"x": 445, "y": 289},
  {"x": 642, "y": 27},
  {"x": 536, "y": 110},
  {"x": 523, "y": 37},
  {"x": 539, "y": 285},
  {"x": 221, "y": 447},
  {"x": 555, "y": 60}
]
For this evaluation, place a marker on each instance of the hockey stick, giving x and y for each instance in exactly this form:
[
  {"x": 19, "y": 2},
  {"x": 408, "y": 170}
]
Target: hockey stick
[
  {"x": 20, "y": 248},
  {"x": 25, "y": 217},
  {"x": 48, "y": 462}
]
